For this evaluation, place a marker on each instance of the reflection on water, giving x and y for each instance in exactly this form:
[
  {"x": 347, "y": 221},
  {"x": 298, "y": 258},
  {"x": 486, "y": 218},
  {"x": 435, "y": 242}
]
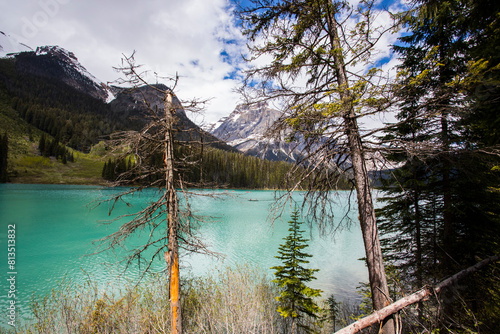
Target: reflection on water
[{"x": 55, "y": 229}]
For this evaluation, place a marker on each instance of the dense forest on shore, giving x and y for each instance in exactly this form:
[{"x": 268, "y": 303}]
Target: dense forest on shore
[
  {"x": 48, "y": 118},
  {"x": 72, "y": 117}
]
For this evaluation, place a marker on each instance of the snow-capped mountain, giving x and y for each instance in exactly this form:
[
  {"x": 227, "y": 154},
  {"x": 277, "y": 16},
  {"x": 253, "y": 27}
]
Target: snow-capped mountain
[
  {"x": 9, "y": 46},
  {"x": 125, "y": 109},
  {"x": 245, "y": 129},
  {"x": 54, "y": 62},
  {"x": 245, "y": 123}
]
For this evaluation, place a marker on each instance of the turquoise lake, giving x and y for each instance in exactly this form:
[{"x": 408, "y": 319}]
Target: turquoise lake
[{"x": 56, "y": 225}]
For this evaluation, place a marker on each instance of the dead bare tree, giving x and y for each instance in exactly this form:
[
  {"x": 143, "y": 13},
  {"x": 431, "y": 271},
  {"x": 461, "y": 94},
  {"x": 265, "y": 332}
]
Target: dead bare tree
[{"x": 154, "y": 163}]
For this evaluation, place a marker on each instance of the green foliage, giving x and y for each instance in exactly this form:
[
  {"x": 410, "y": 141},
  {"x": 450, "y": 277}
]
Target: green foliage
[
  {"x": 113, "y": 168},
  {"x": 4, "y": 152},
  {"x": 333, "y": 310},
  {"x": 240, "y": 171},
  {"x": 296, "y": 298},
  {"x": 216, "y": 168},
  {"x": 482, "y": 82},
  {"x": 52, "y": 148},
  {"x": 99, "y": 149},
  {"x": 440, "y": 214},
  {"x": 34, "y": 162}
]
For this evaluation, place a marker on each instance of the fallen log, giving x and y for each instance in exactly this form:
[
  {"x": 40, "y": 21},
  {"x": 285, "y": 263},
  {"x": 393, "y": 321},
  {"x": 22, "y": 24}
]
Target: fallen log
[{"x": 379, "y": 315}]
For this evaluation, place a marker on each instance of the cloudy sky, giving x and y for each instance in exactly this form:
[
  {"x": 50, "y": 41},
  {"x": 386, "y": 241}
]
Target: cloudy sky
[{"x": 197, "y": 39}]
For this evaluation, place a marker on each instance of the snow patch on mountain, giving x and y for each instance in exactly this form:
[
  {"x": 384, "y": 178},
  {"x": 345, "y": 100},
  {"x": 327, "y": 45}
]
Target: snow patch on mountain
[
  {"x": 9, "y": 46},
  {"x": 58, "y": 63},
  {"x": 72, "y": 67},
  {"x": 246, "y": 129},
  {"x": 69, "y": 58}
]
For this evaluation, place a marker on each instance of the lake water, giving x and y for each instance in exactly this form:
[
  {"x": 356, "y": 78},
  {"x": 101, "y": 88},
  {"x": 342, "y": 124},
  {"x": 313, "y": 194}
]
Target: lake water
[{"x": 55, "y": 228}]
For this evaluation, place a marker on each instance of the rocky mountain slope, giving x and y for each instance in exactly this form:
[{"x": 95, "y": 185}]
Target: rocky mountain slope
[
  {"x": 128, "y": 103},
  {"x": 50, "y": 86},
  {"x": 245, "y": 129},
  {"x": 53, "y": 62}
]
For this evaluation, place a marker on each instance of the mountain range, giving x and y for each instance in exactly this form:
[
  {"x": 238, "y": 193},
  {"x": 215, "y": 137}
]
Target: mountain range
[
  {"x": 243, "y": 130},
  {"x": 246, "y": 129},
  {"x": 52, "y": 93},
  {"x": 53, "y": 67},
  {"x": 49, "y": 99}
]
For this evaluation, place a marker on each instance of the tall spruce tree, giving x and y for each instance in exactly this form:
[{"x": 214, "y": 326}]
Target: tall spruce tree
[
  {"x": 482, "y": 86},
  {"x": 482, "y": 83},
  {"x": 322, "y": 73},
  {"x": 440, "y": 212},
  {"x": 4, "y": 152},
  {"x": 296, "y": 298},
  {"x": 430, "y": 107}
]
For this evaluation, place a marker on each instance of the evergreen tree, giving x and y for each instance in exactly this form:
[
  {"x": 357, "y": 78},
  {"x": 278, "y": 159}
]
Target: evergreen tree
[
  {"x": 4, "y": 151},
  {"x": 482, "y": 82},
  {"x": 42, "y": 144},
  {"x": 296, "y": 298},
  {"x": 104, "y": 172},
  {"x": 429, "y": 127},
  {"x": 440, "y": 214},
  {"x": 334, "y": 310}
]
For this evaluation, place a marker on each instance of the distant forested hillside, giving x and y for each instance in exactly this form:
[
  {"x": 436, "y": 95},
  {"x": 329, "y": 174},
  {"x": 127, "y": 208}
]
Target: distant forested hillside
[
  {"x": 37, "y": 109},
  {"x": 72, "y": 117}
]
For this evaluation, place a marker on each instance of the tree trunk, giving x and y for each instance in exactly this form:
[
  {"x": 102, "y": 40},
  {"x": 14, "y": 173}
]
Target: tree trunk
[
  {"x": 447, "y": 215},
  {"x": 418, "y": 296},
  {"x": 172, "y": 256},
  {"x": 418, "y": 237},
  {"x": 367, "y": 219},
  {"x": 368, "y": 222}
]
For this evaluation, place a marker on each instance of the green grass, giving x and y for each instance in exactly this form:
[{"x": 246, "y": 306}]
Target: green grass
[
  {"x": 27, "y": 166},
  {"x": 37, "y": 169}
]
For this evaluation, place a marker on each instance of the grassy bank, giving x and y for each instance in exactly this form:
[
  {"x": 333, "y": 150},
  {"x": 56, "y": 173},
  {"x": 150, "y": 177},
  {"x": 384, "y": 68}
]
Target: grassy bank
[
  {"x": 26, "y": 165},
  {"x": 37, "y": 169},
  {"x": 230, "y": 300}
]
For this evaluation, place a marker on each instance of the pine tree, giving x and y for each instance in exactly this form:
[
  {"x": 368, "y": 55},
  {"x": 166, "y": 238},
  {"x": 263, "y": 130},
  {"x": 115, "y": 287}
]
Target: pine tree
[
  {"x": 440, "y": 214},
  {"x": 334, "y": 309},
  {"x": 42, "y": 144},
  {"x": 4, "y": 150},
  {"x": 104, "y": 172},
  {"x": 296, "y": 298}
]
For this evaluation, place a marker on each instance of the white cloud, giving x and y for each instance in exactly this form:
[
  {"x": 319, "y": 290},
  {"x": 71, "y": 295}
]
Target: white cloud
[{"x": 197, "y": 39}]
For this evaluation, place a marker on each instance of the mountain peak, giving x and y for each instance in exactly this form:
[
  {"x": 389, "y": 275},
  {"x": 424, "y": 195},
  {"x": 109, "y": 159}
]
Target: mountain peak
[
  {"x": 56, "y": 50},
  {"x": 67, "y": 57},
  {"x": 58, "y": 63},
  {"x": 246, "y": 121},
  {"x": 245, "y": 129},
  {"x": 9, "y": 46}
]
